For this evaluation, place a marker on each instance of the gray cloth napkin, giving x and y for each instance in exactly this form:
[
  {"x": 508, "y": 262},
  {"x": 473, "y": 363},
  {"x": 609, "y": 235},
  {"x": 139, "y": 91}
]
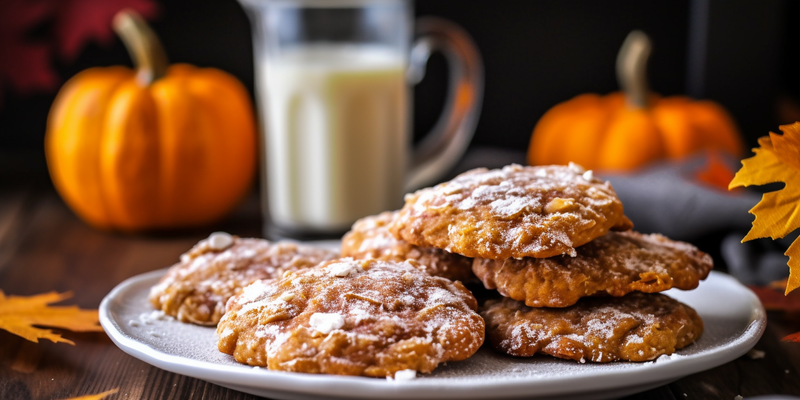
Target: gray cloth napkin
[{"x": 666, "y": 199}]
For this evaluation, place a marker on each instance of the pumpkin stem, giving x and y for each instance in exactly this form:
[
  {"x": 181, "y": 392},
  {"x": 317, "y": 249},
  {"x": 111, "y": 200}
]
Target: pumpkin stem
[
  {"x": 143, "y": 45},
  {"x": 632, "y": 68}
]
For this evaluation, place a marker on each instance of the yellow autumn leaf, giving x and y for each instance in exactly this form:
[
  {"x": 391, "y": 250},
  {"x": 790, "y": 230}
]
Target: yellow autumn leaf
[
  {"x": 19, "y": 314},
  {"x": 98, "y": 396},
  {"x": 778, "y": 212}
]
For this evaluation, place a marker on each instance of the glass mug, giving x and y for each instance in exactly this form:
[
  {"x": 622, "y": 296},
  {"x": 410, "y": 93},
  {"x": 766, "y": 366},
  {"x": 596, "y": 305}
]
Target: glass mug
[{"x": 333, "y": 91}]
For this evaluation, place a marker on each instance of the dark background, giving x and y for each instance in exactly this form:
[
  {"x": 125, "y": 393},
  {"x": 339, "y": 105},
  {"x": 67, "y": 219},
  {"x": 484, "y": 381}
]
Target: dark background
[{"x": 536, "y": 54}]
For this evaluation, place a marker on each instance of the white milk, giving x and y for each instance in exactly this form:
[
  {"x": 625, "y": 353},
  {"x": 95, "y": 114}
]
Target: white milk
[{"x": 337, "y": 121}]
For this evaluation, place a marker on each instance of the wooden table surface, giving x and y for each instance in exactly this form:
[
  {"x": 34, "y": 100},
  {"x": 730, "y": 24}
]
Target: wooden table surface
[{"x": 44, "y": 247}]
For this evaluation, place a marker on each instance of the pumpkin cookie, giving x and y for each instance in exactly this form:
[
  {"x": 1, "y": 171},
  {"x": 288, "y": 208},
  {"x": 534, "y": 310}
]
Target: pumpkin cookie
[
  {"x": 637, "y": 327},
  {"x": 196, "y": 289},
  {"x": 352, "y": 317},
  {"x": 512, "y": 212},
  {"x": 370, "y": 238},
  {"x": 615, "y": 264}
]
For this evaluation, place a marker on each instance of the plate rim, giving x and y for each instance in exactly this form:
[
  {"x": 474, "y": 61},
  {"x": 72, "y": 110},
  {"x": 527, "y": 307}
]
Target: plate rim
[{"x": 311, "y": 385}]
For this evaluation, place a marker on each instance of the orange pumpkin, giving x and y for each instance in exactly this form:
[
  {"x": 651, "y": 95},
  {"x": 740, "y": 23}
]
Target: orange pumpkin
[
  {"x": 624, "y": 131},
  {"x": 159, "y": 147}
]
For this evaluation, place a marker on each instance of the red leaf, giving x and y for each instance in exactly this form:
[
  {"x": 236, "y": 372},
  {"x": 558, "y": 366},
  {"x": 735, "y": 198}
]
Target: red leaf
[
  {"x": 773, "y": 299},
  {"x": 18, "y": 16},
  {"x": 26, "y": 64},
  {"x": 715, "y": 173},
  {"x": 80, "y": 21},
  {"x": 795, "y": 337}
]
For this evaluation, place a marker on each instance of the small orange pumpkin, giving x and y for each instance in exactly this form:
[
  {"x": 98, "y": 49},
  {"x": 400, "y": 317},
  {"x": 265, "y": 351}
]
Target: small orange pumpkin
[
  {"x": 159, "y": 147},
  {"x": 626, "y": 130}
]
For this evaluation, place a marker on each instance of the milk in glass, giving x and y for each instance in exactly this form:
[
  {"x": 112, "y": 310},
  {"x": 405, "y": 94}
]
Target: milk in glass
[{"x": 336, "y": 120}]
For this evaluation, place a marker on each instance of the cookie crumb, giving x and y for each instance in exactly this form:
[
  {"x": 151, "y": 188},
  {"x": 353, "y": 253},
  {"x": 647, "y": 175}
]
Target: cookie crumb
[
  {"x": 756, "y": 354},
  {"x": 576, "y": 168},
  {"x": 343, "y": 269},
  {"x": 405, "y": 375},
  {"x": 588, "y": 175},
  {"x": 326, "y": 322},
  {"x": 287, "y": 296},
  {"x": 149, "y": 318},
  {"x": 668, "y": 357},
  {"x": 220, "y": 240},
  {"x": 559, "y": 205}
]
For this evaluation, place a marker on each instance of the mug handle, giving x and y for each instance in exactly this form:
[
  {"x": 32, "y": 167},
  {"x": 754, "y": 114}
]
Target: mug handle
[{"x": 444, "y": 145}]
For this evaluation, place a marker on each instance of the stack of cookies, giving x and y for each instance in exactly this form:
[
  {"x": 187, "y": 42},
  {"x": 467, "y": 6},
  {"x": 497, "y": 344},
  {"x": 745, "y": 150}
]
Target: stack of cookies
[
  {"x": 572, "y": 280},
  {"x": 576, "y": 282}
]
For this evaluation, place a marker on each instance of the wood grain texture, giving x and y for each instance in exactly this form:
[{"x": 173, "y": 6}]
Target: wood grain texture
[{"x": 44, "y": 247}]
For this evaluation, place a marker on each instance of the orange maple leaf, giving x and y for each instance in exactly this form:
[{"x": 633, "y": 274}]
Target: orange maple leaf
[
  {"x": 98, "y": 396},
  {"x": 778, "y": 212},
  {"x": 18, "y": 314}
]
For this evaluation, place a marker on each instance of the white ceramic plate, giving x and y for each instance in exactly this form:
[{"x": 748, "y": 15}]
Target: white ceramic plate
[{"x": 734, "y": 321}]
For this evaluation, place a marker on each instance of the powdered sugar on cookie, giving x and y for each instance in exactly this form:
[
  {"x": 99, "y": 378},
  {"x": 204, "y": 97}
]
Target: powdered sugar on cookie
[
  {"x": 343, "y": 269},
  {"x": 324, "y": 323}
]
